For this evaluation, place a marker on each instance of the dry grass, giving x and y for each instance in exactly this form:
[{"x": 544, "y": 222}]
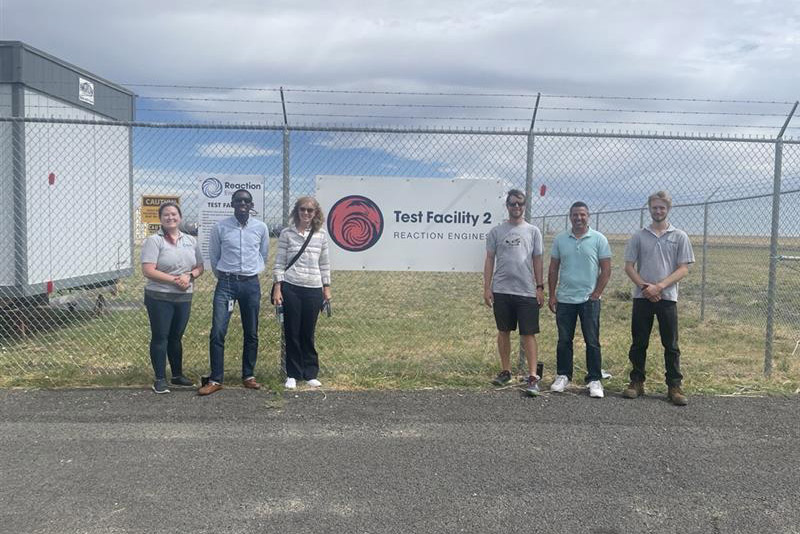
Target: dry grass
[{"x": 417, "y": 330}]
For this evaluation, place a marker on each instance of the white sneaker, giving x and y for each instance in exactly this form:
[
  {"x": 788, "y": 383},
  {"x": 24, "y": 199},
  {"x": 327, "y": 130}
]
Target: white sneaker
[
  {"x": 290, "y": 383},
  {"x": 314, "y": 383},
  {"x": 596, "y": 389},
  {"x": 560, "y": 384}
]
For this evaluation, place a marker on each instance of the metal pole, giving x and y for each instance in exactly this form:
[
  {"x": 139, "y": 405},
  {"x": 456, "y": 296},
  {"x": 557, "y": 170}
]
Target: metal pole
[
  {"x": 703, "y": 269},
  {"x": 529, "y": 163},
  {"x": 641, "y": 218},
  {"x": 705, "y": 253},
  {"x": 773, "y": 245},
  {"x": 286, "y": 190},
  {"x": 597, "y": 219},
  {"x": 522, "y": 366}
]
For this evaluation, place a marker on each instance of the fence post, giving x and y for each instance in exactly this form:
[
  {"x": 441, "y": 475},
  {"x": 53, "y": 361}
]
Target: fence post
[
  {"x": 597, "y": 217},
  {"x": 705, "y": 252},
  {"x": 522, "y": 365},
  {"x": 529, "y": 162},
  {"x": 286, "y": 191},
  {"x": 641, "y": 218},
  {"x": 773, "y": 244}
]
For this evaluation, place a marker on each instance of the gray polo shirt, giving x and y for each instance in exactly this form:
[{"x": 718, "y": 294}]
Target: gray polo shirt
[
  {"x": 175, "y": 260},
  {"x": 514, "y": 247},
  {"x": 658, "y": 257}
]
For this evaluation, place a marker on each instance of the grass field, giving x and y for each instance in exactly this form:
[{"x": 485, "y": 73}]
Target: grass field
[{"x": 417, "y": 330}]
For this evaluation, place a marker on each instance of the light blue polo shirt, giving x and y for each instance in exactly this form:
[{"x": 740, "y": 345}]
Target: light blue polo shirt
[{"x": 580, "y": 264}]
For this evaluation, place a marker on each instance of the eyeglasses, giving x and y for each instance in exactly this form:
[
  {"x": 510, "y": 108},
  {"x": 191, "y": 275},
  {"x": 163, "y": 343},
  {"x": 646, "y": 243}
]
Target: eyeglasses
[
  {"x": 241, "y": 200},
  {"x": 515, "y": 204},
  {"x": 307, "y": 210}
]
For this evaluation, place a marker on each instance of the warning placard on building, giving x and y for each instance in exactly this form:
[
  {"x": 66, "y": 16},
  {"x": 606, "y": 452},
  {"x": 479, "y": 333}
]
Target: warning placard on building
[{"x": 150, "y": 205}]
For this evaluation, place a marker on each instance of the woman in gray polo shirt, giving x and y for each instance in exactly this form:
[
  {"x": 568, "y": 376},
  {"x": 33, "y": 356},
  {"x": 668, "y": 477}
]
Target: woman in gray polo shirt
[{"x": 171, "y": 261}]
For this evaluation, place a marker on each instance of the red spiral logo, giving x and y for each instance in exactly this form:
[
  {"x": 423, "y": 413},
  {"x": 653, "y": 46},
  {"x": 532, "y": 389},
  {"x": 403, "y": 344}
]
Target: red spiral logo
[{"x": 355, "y": 223}]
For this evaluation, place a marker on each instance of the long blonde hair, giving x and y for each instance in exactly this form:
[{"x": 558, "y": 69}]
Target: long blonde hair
[{"x": 319, "y": 216}]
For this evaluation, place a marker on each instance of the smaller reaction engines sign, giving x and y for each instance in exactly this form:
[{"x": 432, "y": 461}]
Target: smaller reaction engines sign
[{"x": 409, "y": 224}]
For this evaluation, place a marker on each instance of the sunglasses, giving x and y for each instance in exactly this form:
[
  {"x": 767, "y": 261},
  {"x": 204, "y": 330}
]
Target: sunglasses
[
  {"x": 307, "y": 210},
  {"x": 241, "y": 200},
  {"x": 515, "y": 204}
]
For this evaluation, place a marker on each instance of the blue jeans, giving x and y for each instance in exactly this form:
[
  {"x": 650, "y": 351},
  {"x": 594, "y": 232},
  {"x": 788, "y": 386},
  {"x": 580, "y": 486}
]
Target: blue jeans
[
  {"x": 566, "y": 318},
  {"x": 168, "y": 322},
  {"x": 248, "y": 294}
]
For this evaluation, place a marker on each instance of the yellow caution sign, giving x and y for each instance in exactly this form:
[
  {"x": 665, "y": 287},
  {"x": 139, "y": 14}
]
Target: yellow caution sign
[{"x": 150, "y": 205}]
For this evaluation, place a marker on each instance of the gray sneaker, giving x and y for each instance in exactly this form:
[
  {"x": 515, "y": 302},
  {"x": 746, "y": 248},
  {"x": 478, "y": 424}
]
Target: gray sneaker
[
  {"x": 502, "y": 379},
  {"x": 532, "y": 390},
  {"x": 160, "y": 386}
]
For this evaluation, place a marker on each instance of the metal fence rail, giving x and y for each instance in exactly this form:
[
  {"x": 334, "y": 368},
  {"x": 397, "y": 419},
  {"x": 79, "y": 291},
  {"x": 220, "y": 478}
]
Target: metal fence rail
[{"x": 70, "y": 220}]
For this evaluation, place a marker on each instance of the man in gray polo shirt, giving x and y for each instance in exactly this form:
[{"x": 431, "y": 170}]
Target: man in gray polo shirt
[
  {"x": 656, "y": 259},
  {"x": 512, "y": 286}
]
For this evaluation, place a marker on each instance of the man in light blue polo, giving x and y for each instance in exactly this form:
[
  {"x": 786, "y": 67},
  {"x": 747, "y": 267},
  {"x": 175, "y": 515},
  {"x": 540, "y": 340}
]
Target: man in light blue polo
[
  {"x": 580, "y": 267},
  {"x": 238, "y": 247}
]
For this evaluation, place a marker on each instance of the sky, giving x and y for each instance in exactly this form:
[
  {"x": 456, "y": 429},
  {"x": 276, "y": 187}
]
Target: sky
[
  {"x": 675, "y": 63},
  {"x": 728, "y": 49}
]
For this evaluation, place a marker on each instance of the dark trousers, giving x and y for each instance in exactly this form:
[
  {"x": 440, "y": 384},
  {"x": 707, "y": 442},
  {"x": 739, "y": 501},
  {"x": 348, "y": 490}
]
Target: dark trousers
[
  {"x": 301, "y": 307},
  {"x": 248, "y": 294},
  {"x": 641, "y": 326},
  {"x": 566, "y": 318},
  {"x": 168, "y": 322}
]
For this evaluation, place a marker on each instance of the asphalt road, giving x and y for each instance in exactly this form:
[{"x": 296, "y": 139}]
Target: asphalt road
[{"x": 122, "y": 460}]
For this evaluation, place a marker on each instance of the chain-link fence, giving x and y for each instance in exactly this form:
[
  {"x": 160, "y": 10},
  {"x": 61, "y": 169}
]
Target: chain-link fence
[{"x": 72, "y": 227}]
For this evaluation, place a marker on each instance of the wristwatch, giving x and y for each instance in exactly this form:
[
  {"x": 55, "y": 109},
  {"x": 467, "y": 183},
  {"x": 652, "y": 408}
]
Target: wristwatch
[{"x": 540, "y": 286}]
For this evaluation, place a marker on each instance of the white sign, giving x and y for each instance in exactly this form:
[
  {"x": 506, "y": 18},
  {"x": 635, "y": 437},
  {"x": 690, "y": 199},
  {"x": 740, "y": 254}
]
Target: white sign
[
  {"x": 215, "y": 202},
  {"x": 409, "y": 224},
  {"x": 86, "y": 91}
]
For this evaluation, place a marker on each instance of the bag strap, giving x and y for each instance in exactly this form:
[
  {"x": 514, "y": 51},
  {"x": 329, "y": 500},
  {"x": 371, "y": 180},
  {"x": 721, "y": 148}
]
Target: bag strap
[{"x": 302, "y": 249}]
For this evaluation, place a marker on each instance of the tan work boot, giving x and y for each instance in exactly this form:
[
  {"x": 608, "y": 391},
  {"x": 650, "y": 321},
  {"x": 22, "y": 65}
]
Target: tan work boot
[
  {"x": 677, "y": 397},
  {"x": 634, "y": 389}
]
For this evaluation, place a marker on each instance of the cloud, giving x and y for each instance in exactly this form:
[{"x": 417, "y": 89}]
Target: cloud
[{"x": 234, "y": 150}]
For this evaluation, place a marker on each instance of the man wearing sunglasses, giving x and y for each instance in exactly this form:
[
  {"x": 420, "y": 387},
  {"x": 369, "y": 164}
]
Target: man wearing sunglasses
[
  {"x": 512, "y": 286},
  {"x": 238, "y": 248}
]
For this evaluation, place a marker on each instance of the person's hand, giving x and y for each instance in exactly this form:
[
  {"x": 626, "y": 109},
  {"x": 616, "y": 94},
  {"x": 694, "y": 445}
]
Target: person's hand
[
  {"x": 652, "y": 291},
  {"x": 552, "y": 303},
  {"x": 488, "y": 298},
  {"x": 277, "y": 297},
  {"x": 540, "y": 296},
  {"x": 326, "y": 292},
  {"x": 183, "y": 281},
  {"x": 594, "y": 296}
]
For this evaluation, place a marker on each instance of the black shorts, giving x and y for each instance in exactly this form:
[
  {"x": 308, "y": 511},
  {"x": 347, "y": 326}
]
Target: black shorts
[{"x": 512, "y": 309}]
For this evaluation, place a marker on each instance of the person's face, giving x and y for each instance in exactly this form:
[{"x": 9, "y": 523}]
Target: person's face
[
  {"x": 658, "y": 210},
  {"x": 515, "y": 207},
  {"x": 306, "y": 212},
  {"x": 170, "y": 217},
  {"x": 579, "y": 217},
  {"x": 242, "y": 203}
]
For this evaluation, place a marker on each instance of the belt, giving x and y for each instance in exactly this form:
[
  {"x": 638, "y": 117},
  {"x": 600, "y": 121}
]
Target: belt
[{"x": 234, "y": 276}]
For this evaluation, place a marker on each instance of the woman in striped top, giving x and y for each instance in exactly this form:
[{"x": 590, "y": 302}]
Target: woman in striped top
[{"x": 302, "y": 288}]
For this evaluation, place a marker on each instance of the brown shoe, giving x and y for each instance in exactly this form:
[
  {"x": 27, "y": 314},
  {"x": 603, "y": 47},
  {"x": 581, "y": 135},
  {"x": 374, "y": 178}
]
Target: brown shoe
[
  {"x": 634, "y": 389},
  {"x": 209, "y": 388},
  {"x": 250, "y": 383},
  {"x": 677, "y": 397}
]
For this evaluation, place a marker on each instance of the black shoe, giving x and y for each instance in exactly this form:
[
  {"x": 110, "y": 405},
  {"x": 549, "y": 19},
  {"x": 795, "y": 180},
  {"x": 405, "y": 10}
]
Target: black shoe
[
  {"x": 502, "y": 379},
  {"x": 181, "y": 381}
]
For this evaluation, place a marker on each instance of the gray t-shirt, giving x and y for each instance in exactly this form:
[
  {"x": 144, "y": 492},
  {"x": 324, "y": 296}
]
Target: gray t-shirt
[
  {"x": 175, "y": 259},
  {"x": 658, "y": 257},
  {"x": 514, "y": 247}
]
